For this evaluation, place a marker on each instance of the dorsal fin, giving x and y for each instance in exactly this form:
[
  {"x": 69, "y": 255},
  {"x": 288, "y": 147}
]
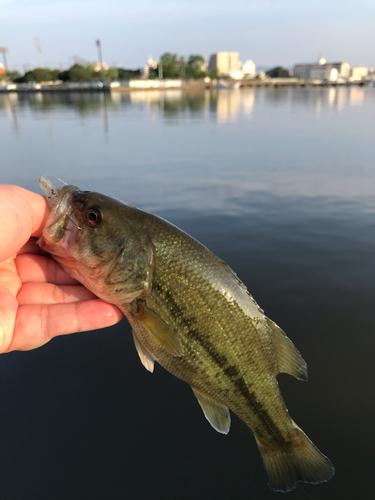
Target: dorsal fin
[
  {"x": 158, "y": 328},
  {"x": 288, "y": 358},
  {"x": 217, "y": 414},
  {"x": 146, "y": 359}
]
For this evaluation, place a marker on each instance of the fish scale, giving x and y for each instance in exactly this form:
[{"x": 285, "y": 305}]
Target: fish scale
[
  {"x": 216, "y": 317},
  {"x": 190, "y": 313}
]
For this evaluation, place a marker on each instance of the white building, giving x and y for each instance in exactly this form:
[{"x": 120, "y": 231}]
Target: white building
[
  {"x": 359, "y": 73},
  {"x": 99, "y": 66},
  {"x": 151, "y": 64},
  {"x": 248, "y": 69},
  {"x": 325, "y": 73},
  {"x": 236, "y": 75},
  {"x": 343, "y": 69},
  {"x": 225, "y": 62},
  {"x": 322, "y": 71}
]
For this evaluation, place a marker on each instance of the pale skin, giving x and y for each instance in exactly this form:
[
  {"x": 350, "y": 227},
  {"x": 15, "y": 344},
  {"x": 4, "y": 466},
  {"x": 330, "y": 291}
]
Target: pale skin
[{"x": 38, "y": 300}]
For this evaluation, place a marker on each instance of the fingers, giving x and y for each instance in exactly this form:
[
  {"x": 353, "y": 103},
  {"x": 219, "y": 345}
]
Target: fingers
[
  {"x": 48, "y": 293},
  {"x": 26, "y": 215},
  {"x": 8, "y": 311},
  {"x": 37, "y": 324},
  {"x": 41, "y": 268},
  {"x": 31, "y": 246}
]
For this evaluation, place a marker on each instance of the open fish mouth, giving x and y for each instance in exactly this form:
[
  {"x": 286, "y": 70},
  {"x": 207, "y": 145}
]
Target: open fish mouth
[{"x": 60, "y": 203}]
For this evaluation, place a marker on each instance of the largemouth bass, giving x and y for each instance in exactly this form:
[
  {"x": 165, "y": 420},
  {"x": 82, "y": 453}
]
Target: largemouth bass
[{"x": 189, "y": 312}]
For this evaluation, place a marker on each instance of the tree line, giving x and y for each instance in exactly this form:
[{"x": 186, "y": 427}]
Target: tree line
[
  {"x": 75, "y": 73},
  {"x": 170, "y": 66},
  {"x": 174, "y": 66}
]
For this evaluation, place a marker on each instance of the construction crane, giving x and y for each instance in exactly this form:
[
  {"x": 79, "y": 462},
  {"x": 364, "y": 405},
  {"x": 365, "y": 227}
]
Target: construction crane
[{"x": 39, "y": 50}]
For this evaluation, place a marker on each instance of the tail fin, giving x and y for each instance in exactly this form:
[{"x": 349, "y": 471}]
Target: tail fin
[{"x": 302, "y": 462}]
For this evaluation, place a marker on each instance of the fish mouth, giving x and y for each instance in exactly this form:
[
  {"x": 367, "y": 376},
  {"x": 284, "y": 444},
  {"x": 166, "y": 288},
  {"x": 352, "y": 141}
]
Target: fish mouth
[{"x": 60, "y": 203}]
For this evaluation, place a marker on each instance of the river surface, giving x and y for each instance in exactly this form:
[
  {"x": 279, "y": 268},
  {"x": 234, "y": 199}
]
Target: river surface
[{"x": 280, "y": 183}]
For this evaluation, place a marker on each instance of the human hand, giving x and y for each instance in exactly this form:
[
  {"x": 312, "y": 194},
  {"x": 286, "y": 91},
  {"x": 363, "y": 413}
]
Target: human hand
[{"x": 38, "y": 300}]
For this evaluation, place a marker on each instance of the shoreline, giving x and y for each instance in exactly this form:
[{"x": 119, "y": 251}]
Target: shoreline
[{"x": 186, "y": 86}]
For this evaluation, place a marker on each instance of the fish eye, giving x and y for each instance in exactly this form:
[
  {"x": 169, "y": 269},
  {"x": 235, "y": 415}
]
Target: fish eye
[{"x": 92, "y": 217}]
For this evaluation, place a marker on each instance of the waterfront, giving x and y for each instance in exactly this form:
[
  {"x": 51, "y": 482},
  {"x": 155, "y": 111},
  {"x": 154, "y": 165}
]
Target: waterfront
[{"x": 280, "y": 183}]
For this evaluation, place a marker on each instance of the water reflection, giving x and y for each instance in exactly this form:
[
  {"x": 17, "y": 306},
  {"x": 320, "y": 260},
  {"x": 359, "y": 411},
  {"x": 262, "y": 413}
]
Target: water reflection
[
  {"x": 231, "y": 103},
  {"x": 226, "y": 105},
  {"x": 224, "y": 143}
]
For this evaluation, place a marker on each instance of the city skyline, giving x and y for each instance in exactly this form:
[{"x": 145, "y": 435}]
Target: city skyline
[{"x": 269, "y": 32}]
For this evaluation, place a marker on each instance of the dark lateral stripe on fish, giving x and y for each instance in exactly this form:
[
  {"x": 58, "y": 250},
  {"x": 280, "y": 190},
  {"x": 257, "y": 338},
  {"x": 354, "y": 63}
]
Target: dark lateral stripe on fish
[
  {"x": 222, "y": 362},
  {"x": 233, "y": 372}
]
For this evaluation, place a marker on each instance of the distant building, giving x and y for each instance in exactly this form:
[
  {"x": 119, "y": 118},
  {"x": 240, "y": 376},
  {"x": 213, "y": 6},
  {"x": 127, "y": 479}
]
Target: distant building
[
  {"x": 322, "y": 71},
  {"x": 325, "y": 72},
  {"x": 151, "y": 64},
  {"x": 343, "y": 69},
  {"x": 248, "y": 69},
  {"x": 303, "y": 70},
  {"x": 236, "y": 75},
  {"x": 98, "y": 66},
  {"x": 2, "y": 69},
  {"x": 359, "y": 73},
  {"x": 225, "y": 62}
]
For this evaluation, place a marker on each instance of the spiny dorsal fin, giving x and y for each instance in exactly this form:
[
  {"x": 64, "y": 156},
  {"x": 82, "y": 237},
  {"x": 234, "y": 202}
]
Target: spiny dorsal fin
[
  {"x": 288, "y": 358},
  {"x": 159, "y": 329},
  {"x": 217, "y": 414},
  {"x": 146, "y": 359}
]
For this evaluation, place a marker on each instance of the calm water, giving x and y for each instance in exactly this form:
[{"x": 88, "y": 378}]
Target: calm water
[{"x": 281, "y": 185}]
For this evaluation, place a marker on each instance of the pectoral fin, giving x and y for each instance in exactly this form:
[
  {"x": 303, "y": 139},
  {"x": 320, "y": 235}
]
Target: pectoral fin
[
  {"x": 159, "y": 329},
  {"x": 288, "y": 358},
  {"x": 217, "y": 414},
  {"x": 146, "y": 359}
]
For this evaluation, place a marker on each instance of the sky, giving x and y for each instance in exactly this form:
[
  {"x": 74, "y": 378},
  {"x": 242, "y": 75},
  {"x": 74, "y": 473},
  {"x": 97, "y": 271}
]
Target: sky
[{"x": 269, "y": 32}]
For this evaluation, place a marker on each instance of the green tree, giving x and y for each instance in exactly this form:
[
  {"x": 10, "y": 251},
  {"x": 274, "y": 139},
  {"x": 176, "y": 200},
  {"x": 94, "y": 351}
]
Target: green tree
[
  {"x": 26, "y": 78},
  {"x": 195, "y": 67},
  {"x": 128, "y": 74},
  {"x": 76, "y": 73},
  {"x": 64, "y": 76},
  {"x": 10, "y": 76},
  {"x": 54, "y": 74},
  {"x": 42, "y": 74},
  {"x": 278, "y": 72},
  {"x": 214, "y": 74},
  {"x": 37, "y": 75},
  {"x": 171, "y": 65}
]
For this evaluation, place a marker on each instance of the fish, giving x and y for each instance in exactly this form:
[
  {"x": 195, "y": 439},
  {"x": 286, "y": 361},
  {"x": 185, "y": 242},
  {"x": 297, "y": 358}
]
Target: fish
[{"x": 190, "y": 313}]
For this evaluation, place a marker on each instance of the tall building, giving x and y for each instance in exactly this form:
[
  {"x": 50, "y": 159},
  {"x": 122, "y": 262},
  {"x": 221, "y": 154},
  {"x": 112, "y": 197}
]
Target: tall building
[{"x": 225, "y": 62}]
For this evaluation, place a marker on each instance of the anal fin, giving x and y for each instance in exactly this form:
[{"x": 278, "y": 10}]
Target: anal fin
[
  {"x": 289, "y": 360},
  {"x": 217, "y": 414},
  {"x": 146, "y": 359}
]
